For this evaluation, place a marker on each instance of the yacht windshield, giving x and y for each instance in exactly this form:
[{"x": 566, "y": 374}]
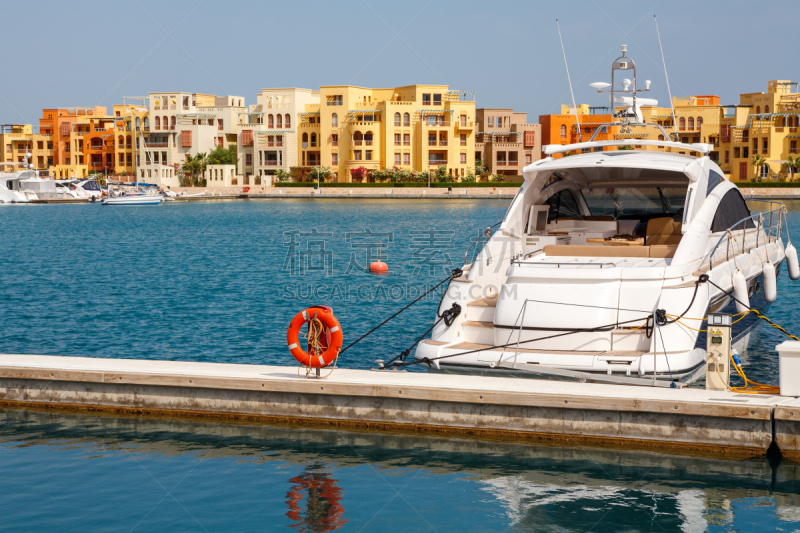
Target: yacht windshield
[
  {"x": 90, "y": 185},
  {"x": 635, "y": 201}
]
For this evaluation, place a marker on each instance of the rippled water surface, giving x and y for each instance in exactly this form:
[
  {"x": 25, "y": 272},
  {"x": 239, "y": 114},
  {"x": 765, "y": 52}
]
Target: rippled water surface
[{"x": 214, "y": 282}]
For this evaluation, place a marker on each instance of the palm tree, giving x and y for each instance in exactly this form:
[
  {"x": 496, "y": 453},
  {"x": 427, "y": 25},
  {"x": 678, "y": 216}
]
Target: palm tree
[
  {"x": 196, "y": 166},
  {"x": 791, "y": 164},
  {"x": 758, "y": 162}
]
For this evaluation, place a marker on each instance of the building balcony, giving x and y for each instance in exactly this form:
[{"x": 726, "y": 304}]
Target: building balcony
[
  {"x": 442, "y": 143},
  {"x": 158, "y": 145},
  {"x": 437, "y": 124},
  {"x": 357, "y": 143},
  {"x": 465, "y": 125},
  {"x": 271, "y": 163},
  {"x": 437, "y": 162}
]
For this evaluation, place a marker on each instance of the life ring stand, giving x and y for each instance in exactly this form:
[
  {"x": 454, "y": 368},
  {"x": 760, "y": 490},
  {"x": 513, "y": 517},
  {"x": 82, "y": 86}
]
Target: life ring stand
[{"x": 324, "y": 339}]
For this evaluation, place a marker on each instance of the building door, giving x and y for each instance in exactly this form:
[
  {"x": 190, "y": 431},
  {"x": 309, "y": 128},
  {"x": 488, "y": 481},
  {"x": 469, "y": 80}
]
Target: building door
[{"x": 743, "y": 170}]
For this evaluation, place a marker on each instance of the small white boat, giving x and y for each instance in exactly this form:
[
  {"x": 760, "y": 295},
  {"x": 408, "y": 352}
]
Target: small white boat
[
  {"x": 136, "y": 197},
  {"x": 133, "y": 199}
]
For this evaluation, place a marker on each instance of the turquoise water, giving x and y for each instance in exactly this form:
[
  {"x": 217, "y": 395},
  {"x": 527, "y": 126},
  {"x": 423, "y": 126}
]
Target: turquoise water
[
  {"x": 212, "y": 282},
  {"x": 64, "y": 472},
  {"x": 220, "y": 281}
]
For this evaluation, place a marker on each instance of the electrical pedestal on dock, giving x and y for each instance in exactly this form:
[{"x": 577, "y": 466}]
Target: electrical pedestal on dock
[{"x": 718, "y": 351}]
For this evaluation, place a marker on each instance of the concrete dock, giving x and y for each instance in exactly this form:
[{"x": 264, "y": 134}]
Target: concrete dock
[{"x": 690, "y": 420}]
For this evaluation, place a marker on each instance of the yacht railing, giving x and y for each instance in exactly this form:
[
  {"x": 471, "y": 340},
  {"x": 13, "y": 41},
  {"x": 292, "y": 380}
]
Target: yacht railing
[
  {"x": 482, "y": 237},
  {"x": 766, "y": 227}
]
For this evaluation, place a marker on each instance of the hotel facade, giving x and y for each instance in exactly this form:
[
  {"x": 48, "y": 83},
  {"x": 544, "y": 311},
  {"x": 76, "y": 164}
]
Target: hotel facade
[{"x": 416, "y": 128}]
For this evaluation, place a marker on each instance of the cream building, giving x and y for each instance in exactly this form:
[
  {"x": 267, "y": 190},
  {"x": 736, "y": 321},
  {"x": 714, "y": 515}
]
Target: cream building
[
  {"x": 268, "y": 140},
  {"x": 416, "y": 127},
  {"x": 183, "y": 124}
]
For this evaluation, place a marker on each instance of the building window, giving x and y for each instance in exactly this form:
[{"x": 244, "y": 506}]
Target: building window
[
  {"x": 745, "y": 152},
  {"x": 313, "y": 140},
  {"x": 278, "y": 121},
  {"x": 158, "y": 122},
  {"x": 406, "y": 119},
  {"x": 501, "y": 158},
  {"x": 335, "y": 120},
  {"x": 512, "y": 158},
  {"x": 792, "y": 147},
  {"x": 270, "y": 121},
  {"x": 463, "y": 139},
  {"x": 397, "y": 139},
  {"x": 442, "y": 138},
  {"x": 186, "y": 138},
  {"x": 736, "y": 152},
  {"x": 563, "y": 131},
  {"x": 426, "y": 99},
  {"x": 727, "y": 156},
  {"x": 431, "y": 139},
  {"x": 463, "y": 120},
  {"x": 357, "y": 155},
  {"x": 758, "y": 110},
  {"x": 397, "y": 158},
  {"x": 660, "y": 137},
  {"x": 682, "y": 123},
  {"x": 406, "y": 159},
  {"x": 765, "y": 146},
  {"x": 463, "y": 159},
  {"x": 691, "y": 123},
  {"x": 406, "y": 139},
  {"x": 368, "y": 156},
  {"x": 755, "y": 145},
  {"x": 699, "y": 122},
  {"x": 397, "y": 119},
  {"x": 437, "y": 99},
  {"x": 334, "y": 159},
  {"x": 528, "y": 159},
  {"x": 249, "y": 160},
  {"x": 335, "y": 139}
]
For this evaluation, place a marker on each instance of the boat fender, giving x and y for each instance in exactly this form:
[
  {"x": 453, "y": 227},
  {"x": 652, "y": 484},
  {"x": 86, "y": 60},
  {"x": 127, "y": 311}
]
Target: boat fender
[
  {"x": 791, "y": 262},
  {"x": 770, "y": 283},
  {"x": 740, "y": 292}
]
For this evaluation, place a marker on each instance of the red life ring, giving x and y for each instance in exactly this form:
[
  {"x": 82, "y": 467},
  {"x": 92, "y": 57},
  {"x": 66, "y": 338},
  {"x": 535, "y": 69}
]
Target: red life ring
[{"x": 328, "y": 337}]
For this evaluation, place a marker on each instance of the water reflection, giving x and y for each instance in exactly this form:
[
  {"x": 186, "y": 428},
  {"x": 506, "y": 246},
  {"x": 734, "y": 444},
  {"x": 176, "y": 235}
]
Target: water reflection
[
  {"x": 314, "y": 500},
  {"x": 246, "y": 476}
]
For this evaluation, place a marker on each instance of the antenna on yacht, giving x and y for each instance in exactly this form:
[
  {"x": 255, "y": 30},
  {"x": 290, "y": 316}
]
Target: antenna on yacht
[
  {"x": 671, "y": 103},
  {"x": 574, "y": 107}
]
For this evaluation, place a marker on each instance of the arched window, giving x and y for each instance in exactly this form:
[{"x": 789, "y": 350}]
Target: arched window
[
  {"x": 120, "y": 141},
  {"x": 691, "y": 123},
  {"x": 172, "y": 122},
  {"x": 397, "y": 119},
  {"x": 279, "y": 123},
  {"x": 699, "y": 122},
  {"x": 138, "y": 123},
  {"x": 563, "y": 131},
  {"x": 406, "y": 119},
  {"x": 358, "y": 138},
  {"x": 766, "y": 109},
  {"x": 682, "y": 123},
  {"x": 368, "y": 138},
  {"x": 128, "y": 142},
  {"x": 270, "y": 121},
  {"x": 758, "y": 109},
  {"x": 158, "y": 122},
  {"x": 313, "y": 139},
  {"x": 335, "y": 120},
  {"x": 305, "y": 140},
  {"x": 660, "y": 137},
  {"x": 147, "y": 123}
]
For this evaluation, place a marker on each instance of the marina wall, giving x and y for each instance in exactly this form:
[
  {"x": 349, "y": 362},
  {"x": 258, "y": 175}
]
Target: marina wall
[{"x": 685, "y": 420}]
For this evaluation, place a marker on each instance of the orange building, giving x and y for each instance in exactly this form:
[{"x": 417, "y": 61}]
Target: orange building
[
  {"x": 68, "y": 157},
  {"x": 564, "y": 129}
]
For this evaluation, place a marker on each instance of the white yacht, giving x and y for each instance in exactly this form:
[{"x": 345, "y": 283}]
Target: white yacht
[
  {"x": 11, "y": 189},
  {"x": 137, "y": 196},
  {"x": 606, "y": 262}
]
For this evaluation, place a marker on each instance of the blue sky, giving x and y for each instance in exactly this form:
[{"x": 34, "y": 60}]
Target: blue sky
[{"x": 94, "y": 52}]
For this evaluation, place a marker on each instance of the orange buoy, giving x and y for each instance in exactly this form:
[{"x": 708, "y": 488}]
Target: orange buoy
[
  {"x": 379, "y": 267},
  {"x": 324, "y": 337}
]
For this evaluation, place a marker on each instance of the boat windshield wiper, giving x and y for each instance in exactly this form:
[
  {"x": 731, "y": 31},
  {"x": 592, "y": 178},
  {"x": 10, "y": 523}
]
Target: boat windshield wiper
[{"x": 664, "y": 202}]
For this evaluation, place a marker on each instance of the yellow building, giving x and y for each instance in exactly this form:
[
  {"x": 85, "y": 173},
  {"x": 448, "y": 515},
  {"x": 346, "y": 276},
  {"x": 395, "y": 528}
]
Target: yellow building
[
  {"x": 764, "y": 125},
  {"x": 18, "y": 140},
  {"x": 417, "y": 127},
  {"x": 696, "y": 120}
]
